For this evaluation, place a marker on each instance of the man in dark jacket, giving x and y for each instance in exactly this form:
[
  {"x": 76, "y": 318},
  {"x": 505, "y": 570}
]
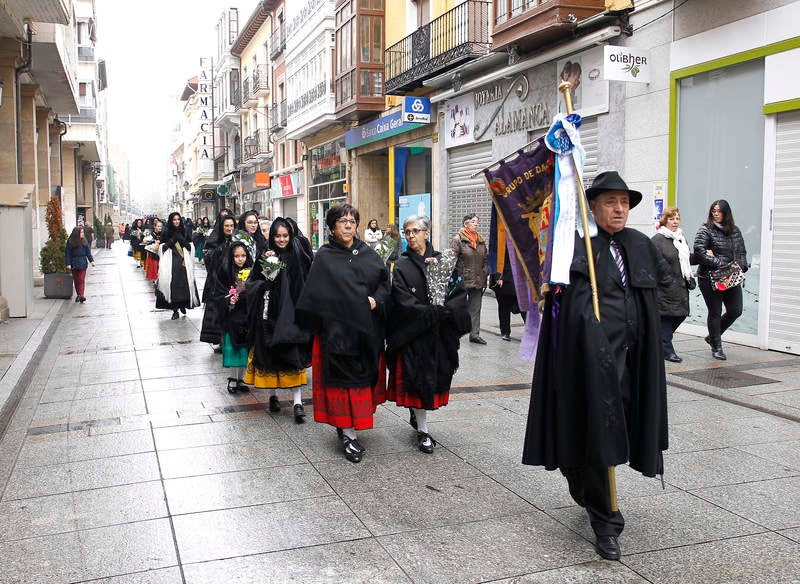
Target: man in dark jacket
[{"x": 599, "y": 391}]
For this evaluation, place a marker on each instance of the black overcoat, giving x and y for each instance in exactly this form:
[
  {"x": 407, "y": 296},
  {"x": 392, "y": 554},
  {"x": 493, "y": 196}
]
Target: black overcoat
[
  {"x": 577, "y": 416},
  {"x": 673, "y": 297},
  {"x": 426, "y": 336}
]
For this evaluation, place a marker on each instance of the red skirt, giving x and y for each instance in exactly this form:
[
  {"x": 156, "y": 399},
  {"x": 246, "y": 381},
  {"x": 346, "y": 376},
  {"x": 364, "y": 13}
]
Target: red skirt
[
  {"x": 345, "y": 407},
  {"x": 152, "y": 267},
  {"x": 396, "y": 391}
]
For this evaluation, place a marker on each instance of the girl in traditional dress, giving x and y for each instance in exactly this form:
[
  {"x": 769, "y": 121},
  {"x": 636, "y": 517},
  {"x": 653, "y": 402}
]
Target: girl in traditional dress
[
  {"x": 423, "y": 340},
  {"x": 281, "y": 350},
  {"x": 152, "y": 257},
  {"x": 233, "y": 309},
  {"x": 136, "y": 239},
  {"x": 176, "y": 289},
  {"x": 199, "y": 237},
  {"x": 344, "y": 302},
  {"x": 215, "y": 258}
]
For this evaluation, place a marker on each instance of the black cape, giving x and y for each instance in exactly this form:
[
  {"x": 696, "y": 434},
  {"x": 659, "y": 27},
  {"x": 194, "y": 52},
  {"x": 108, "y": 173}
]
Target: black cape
[
  {"x": 426, "y": 336},
  {"x": 576, "y": 416},
  {"x": 334, "y": 304},
  {"x": 216, "y": 262}
]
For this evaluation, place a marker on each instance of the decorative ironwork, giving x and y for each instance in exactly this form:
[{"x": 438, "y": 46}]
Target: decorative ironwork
[
  {"x": 277, "y": 42},
  {"x": 260, "y": 80},
  {"x": 277, "y": 117},
  {"x": 459, "y": 34}
]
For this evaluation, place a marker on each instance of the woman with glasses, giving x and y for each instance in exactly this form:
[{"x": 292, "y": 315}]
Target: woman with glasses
[
  {"x": 718, "y": 244},
  {"x": 473, "y": 265},
  {"x": 344, "y": 301},
  {"x": 423, "y": 339}
]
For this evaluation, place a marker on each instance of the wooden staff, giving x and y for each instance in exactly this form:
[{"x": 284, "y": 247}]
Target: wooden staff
[{"x": 564, "y": 87}]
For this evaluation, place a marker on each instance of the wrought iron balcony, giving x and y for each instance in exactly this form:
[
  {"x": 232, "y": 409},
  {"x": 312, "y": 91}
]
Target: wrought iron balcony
[
  {"x": 458, "y": 35},
  {"x": 530, "y": 24},
  {"x": 85, "y": 53},
  {"x": 248, "y": 97},
  {"x": 277, "y": 42},
  {"x": 256, "y": 145},
  {"x": 277, "y": 117},
  {"x": 236, "y": 96},
  {"x": 260, "y": 80}
]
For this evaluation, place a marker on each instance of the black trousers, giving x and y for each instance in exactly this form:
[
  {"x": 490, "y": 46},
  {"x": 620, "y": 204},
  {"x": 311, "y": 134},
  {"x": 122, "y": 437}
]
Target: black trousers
[
  {"x": 504, "y": 306},
  {"x": 669, "y": 324},
  {"x": 588, "y": 486},
  {"x": 717, "y": 322}
]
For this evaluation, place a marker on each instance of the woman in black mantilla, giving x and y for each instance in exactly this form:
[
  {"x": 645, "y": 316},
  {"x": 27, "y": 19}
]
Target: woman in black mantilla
[
  {"x": 248, "y": 223},
  {"x": 215, "y": 254},
  {"x": 344, "y": 302},
  {"x": 423, "y": 340},
  {"x": 176, "y": 289},
  {"x": 281, "y": 350}
]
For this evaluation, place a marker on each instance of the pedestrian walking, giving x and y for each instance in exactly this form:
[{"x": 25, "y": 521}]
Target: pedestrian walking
[
  {"x": 423, "y": 338},
  {"x": 719, "y": 249},
  {"x": 344, "y": 302},
  {"x": 393, "y": 232},
  {"x": 673, "y": 297},
  {"x": 473, "y": 265},
  {"x": 281, "y": 350},
  {"x": 109, "y": 235},
  {"x": 78, "y": 256},
  {"x": 232, "y": 310},
  {"x": 599, "y": 393},
  {"x": 152, "y": 249},
  {"x": 199, "y": 237},
  {"x": 88, "y": 233},
  {"x": 176, "y": 289},
  {"x": 215, "y": 256},
  {"x": 373, "y": 233},
  {"x": 505, "y": 293},
  {"x": 136, "y": 240}
]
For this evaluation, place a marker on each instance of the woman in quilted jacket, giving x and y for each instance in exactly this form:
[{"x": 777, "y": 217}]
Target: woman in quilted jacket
[{"x": 719, "y": 244}]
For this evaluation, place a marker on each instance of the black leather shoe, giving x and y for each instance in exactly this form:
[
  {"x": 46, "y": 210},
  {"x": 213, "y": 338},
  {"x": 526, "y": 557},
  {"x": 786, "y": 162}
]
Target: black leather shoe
[
  {"x": 299, "y": 414},
  {"x": 477, "y": 340},
  {"x": 274, "y": 404},
  {"x": 175, "y": 315},
  {"x": 83, "y": 299},
  {"x": 718, "y": 353},
  {"x": 183, "y": 311},
  {"x": 673, "y": 358},
  {"x": 425, "y": 442},
  {"x": 231, "y": 385},
  {"x": 607, "y": 547},
  {"x": 353, "y": 450},
  {"x": 506, "y": 337},
  {"x": 707, "y": 339},
  {"x": 241, "y": 385}
]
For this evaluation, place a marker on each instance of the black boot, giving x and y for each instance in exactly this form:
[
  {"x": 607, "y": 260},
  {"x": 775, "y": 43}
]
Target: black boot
[{"x": 716, "y": 350}]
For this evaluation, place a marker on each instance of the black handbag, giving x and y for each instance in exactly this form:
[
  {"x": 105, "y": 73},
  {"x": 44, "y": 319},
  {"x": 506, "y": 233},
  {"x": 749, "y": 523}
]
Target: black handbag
[{"x": 726, "y": 277}]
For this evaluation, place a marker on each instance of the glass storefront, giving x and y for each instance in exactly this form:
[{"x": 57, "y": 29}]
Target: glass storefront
[{"x": 328, "y": 175}]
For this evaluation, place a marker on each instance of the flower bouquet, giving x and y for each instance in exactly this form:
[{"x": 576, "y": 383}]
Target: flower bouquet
[
  {"x": 439, "y": 276},
  {"x": 238, "y": 286},
  {"x": 386, "y": 247},
  {"x": 244, "y": 237},
  {"x": 204, "y": 231},
  {"x": 271, "y": 265},
  {"x": 152, "y": 247},
  {"x": 136, "y": 232}
]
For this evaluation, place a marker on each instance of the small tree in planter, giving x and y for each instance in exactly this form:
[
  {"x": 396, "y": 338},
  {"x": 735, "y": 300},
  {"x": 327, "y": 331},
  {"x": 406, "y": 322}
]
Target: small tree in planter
[{"x": 52, "y": 258}]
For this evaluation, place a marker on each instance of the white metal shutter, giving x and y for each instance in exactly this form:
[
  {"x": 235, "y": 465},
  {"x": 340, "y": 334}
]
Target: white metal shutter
[
  {"x": 784, "y": 317},
  {"x": 591, "y": 144},
  {"x": 465, "y": 194}
]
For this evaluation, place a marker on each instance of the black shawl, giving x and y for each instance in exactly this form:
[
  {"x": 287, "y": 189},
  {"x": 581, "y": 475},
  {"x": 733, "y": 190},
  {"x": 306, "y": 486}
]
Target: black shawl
[{"x": 334, "y": 303}]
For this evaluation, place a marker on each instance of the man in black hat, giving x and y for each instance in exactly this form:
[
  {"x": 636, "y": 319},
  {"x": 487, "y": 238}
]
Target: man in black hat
[{"x": 599, "y": 390}]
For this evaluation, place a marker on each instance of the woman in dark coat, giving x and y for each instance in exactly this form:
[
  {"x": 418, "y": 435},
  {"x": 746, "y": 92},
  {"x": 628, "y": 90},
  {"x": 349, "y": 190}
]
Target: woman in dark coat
[
  {"x": 344, "y": 302},
  {"x": 215, "y": 256},
  {"x": 673, "y": 297},
  {"x": 473, "y": 265},
  {"x": 78, "y": 256},
  {"x": 717, "y": 244},
  {"x": 176, "y": 289},
  {"x": 423, "y": 340},
  {"x": 136, "y": 236},
  {"x": 281, "y": 350}
]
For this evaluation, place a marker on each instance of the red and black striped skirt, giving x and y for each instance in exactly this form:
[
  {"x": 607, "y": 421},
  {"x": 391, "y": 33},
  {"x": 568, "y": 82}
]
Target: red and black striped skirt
[{"x": 396, "y": 390}]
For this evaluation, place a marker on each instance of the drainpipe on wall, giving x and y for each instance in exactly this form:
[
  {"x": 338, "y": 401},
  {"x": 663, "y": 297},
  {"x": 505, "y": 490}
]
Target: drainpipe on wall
[{"x": 18, "y": 71}]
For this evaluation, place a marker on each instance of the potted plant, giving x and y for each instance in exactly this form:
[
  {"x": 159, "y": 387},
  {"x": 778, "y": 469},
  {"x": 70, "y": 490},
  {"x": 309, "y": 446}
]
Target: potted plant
[{"x": 52, "y": 258}]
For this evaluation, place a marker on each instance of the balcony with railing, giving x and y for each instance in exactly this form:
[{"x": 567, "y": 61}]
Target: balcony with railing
[
  {"x": 260, "y": 81},
  {"x": 530, "y": 24},
  {"x": 277, "y": 42},
  {"x": 248, "y": 97},
  {"x": 256, "y": 146},
  {"x": 459, "y": 35},
  {"x": 236, "y": 97},
  {"x": 85, "y": 53},
  {"x": 277, "y": 117}
]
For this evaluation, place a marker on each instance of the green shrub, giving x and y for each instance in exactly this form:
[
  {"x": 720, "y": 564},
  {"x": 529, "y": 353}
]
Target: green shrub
[{"x": 53, "y": 255}]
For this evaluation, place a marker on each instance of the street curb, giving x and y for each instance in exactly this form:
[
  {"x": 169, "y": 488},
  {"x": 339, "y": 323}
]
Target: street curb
[{"x": 18, "y": 377}]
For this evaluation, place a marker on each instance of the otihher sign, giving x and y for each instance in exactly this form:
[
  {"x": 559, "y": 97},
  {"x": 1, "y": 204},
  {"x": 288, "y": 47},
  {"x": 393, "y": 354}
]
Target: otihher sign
[{"x": 626, "y": 64}]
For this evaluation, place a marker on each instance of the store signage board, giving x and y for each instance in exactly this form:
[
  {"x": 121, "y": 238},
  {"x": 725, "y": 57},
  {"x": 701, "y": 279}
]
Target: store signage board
[
  {"x": 416, "y": 109},
  {"x": 379, "y": 129},
  {"x": 626, "y": 64}
]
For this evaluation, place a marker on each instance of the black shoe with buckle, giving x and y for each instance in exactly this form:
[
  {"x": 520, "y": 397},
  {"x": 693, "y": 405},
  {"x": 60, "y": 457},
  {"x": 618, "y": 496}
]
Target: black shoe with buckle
[
  {"x": 425, "y": 442},
  {"x": 274, "y": 404},
  {"x": 299, "y": 414},
  {"x": 353, "y": 450},
  {"x": 231, "y": 385},
  {"x": 607, "y": 547}
]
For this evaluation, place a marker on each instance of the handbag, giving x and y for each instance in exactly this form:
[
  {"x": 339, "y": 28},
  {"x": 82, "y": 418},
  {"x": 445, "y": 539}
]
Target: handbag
[
  {"x": 726, "y": 277},
  {"x": 130, "y": 253}
]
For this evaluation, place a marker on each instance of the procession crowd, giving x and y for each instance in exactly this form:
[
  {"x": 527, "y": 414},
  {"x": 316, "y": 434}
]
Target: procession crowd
[{"x": 377, "y": 325}]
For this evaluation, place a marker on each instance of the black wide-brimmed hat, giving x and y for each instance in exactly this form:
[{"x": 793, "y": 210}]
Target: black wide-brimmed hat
[{"x": 612, "y": 181}]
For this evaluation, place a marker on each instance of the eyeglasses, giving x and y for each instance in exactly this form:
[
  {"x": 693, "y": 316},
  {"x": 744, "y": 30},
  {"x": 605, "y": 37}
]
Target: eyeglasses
[
  {"x": 413, "y": 232},
  {"x": 345, "y": 221}
]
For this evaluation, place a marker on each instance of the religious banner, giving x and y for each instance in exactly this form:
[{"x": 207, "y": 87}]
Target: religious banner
[{"x": 519, "y": 188}]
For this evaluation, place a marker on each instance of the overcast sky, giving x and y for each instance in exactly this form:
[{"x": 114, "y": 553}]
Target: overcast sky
[{"x": 151, "y": 48}]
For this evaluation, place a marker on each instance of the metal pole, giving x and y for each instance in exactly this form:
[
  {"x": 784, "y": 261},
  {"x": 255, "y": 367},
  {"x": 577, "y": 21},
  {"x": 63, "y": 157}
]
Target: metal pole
[{"x": 564, "y": 88}]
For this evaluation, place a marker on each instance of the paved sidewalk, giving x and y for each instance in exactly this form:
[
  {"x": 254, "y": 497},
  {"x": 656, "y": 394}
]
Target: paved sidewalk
[{"x": 126, "y": 461}]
